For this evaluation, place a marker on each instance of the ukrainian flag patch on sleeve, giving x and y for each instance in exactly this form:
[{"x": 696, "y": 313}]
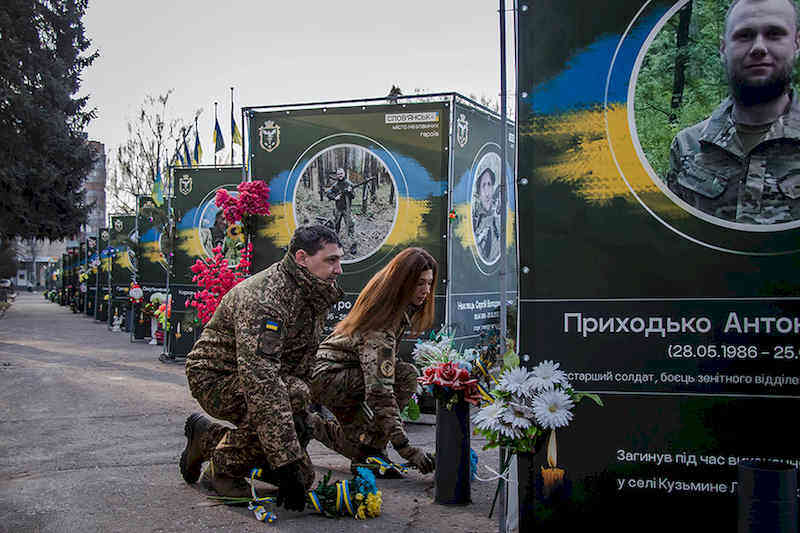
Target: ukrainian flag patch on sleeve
[{"x": 272, "y": 325}]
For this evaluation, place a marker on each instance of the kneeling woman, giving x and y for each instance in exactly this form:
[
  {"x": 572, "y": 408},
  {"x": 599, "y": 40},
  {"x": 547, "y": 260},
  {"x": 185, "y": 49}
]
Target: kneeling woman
[{"x": 357, "y": 375}]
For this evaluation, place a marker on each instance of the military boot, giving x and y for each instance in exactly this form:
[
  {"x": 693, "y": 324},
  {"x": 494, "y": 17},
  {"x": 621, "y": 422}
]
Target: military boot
[
  {"x": 225, "y": 485},
  {"x": 192, "y": 456}
]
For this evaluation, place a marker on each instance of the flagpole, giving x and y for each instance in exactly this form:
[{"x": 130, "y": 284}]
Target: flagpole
[
  {"x": 215, "y": 133},
  {"x": 196, "y": 152},
  {"x": 231, "y": 125}
]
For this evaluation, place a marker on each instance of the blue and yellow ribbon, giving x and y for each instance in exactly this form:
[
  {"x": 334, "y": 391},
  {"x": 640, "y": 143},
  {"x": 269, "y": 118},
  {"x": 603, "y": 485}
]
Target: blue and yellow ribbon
[{"x": 383, "y": 466}]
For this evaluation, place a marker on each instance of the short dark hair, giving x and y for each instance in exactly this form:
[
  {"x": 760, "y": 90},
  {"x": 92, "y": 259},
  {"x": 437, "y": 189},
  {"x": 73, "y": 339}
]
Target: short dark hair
[
  {"x": 313, "y": 238},
  {"x": 734, "y": 2}
]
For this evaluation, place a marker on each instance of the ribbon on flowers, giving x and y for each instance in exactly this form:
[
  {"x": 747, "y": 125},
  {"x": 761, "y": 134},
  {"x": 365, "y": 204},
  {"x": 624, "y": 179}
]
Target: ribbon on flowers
[
  {"x": 343, "y": 497},
  {"x": 257, "y": 504},
  {"x": 382, "y": 466},
  {"x": 485, "y": 395},
  {"x": 314, "y": 499},
  {"x": 483, "y": 369}
]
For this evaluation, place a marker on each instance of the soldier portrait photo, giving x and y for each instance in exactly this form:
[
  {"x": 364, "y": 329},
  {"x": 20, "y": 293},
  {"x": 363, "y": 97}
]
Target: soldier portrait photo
[
  {"x": 486, "y": 208},
  {"x": 214, "y": 231},
  {"x": 350, "y": 190},
  {"x": 730, "y": 105}
]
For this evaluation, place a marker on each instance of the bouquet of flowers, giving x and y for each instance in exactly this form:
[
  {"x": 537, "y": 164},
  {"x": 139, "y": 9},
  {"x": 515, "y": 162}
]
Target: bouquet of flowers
[
  {"x": 527, "y": 405},
  {"x": 252, "y": 200},
  {"x": 446, "y": 373},
  {"x": 358, "y": 497},
  {"x": 215, "y": 278}
]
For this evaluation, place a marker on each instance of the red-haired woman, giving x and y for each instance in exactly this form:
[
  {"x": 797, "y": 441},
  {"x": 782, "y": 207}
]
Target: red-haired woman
[{"x": 357, "y": 375}]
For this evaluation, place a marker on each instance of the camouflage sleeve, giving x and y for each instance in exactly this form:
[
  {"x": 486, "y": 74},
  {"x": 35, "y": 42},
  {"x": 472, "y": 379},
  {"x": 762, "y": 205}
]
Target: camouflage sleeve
[
  {"x": 378, "y": 365},
  {"x": 216, "y": 347},
  {"x": 260, "y": 334}
]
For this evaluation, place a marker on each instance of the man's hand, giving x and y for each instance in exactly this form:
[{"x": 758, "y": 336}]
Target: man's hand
[
  {"x": 422, "y": 461},
  {"x": 291, "y": 491}
]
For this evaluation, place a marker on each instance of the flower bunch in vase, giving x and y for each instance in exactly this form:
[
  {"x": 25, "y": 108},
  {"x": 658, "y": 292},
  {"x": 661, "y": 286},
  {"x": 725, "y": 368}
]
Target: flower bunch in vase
[
  {"x": 446, "y": 372},
  {"x": 526, "y": 406}
]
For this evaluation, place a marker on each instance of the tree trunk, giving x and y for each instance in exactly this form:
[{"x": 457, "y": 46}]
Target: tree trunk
[{"x": 681, "y": 58}]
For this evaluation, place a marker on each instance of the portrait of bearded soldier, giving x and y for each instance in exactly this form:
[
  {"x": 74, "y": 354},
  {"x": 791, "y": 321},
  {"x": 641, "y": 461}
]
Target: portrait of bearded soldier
[{"x": 742, "y": 164}]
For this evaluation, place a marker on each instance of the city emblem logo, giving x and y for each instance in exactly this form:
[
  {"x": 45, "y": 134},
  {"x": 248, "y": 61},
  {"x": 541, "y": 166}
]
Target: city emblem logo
[
  {"x": 185, "y": 184},
  {"x": 104, "y": 235},
  {"x": 118, "y": 225},
  {"x": 269, "y": 136},
  {"x": 462, "y": 133}
]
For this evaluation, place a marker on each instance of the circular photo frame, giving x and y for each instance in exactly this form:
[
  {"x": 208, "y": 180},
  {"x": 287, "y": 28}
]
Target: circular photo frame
[
  {"x": 643, "y": 164},
  {"x": 485, "y": 208},
  {"x": 350, "y": 189}
]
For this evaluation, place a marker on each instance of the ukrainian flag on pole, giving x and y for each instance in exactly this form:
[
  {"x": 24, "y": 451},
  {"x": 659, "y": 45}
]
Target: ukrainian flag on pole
[
  {"x": 186, "y": 155},
  {"x": 198, "y": 150},
  {"x": 219, "y": 141},
  {"x": 236, "y": 135}
]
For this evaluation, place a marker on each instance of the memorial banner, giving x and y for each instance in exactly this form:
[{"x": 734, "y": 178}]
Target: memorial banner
[
  {"x": 200, "y": 228},
  {"x": 200, "y": 225},
  {"x": 92, "y": 265},
  {"x": 375, "y": 174},
  {"x": 154, "y": 247},
  {"x": 73, "y": 289},
  {"x": 105, "y": 258},
  {"x": 83, "y": 276},
  {"x": 123, "y": 244},
  {"x": 475, "y": 225},
  {"x": 650, "y": 269}
]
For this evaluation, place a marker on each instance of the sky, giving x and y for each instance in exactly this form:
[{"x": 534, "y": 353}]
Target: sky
[{"x": 281, "y": 53}]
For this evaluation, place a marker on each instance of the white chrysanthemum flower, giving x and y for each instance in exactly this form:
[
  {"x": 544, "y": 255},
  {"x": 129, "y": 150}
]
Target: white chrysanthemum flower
[
  {"x": 552, "y": 409},
  {"x": 489, "y": 417},
  {"x": 518, "y": 415},
  {"x": 546, "y": 376},
  {"x": 515, "y": 381}
]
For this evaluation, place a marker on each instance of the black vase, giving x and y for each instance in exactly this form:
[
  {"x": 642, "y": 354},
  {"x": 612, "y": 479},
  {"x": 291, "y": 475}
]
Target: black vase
[
  {"x": 526, "y": 477},
  {"x": 453, "y": 467}
]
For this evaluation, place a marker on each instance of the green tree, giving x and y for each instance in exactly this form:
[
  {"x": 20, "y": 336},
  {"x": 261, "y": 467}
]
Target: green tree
[{"x": 44, "y": 156}]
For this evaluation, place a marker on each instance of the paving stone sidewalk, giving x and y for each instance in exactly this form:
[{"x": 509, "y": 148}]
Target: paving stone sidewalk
[{"x": 91, "y": 428}]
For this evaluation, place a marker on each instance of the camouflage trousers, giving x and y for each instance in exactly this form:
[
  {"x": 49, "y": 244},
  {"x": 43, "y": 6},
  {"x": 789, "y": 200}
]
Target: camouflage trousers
[
  {"x": 354, "y": 434},
  {"x": 235, "y": 451},
  {"x": 348, "y": 219}
]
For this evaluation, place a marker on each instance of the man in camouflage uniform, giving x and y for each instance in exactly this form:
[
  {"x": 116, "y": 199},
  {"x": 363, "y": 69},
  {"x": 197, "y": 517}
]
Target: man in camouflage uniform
[
  {"x": 742, "y": 164},
  {"x": 342, "y": 194},
  {"x": 250, "y": 367},
  {"x": 361, "y": 381}
]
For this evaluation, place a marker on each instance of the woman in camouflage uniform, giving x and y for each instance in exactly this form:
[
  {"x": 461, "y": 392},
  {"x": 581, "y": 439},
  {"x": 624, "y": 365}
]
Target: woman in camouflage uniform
[{"x": 357, "y": 375}]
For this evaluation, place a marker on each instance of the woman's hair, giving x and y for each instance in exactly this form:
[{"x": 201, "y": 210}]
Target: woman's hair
[{"x": 387, "y": 295}]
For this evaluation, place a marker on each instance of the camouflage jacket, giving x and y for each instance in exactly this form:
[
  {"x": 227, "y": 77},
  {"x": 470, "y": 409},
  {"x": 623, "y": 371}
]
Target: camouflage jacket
[
  {"x": 342, "y": 193},
  {"x": 266, "y": 331},
  {"x": 710, "y": 171},
  {"x": 375, "y": 353}
]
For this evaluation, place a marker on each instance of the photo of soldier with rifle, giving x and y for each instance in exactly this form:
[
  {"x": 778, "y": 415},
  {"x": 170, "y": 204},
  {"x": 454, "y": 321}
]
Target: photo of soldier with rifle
[{"x": 350, "y": 190}]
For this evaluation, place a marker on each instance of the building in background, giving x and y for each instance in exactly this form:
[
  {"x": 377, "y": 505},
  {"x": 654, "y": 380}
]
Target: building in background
[{"x": 34, "y": 256}]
